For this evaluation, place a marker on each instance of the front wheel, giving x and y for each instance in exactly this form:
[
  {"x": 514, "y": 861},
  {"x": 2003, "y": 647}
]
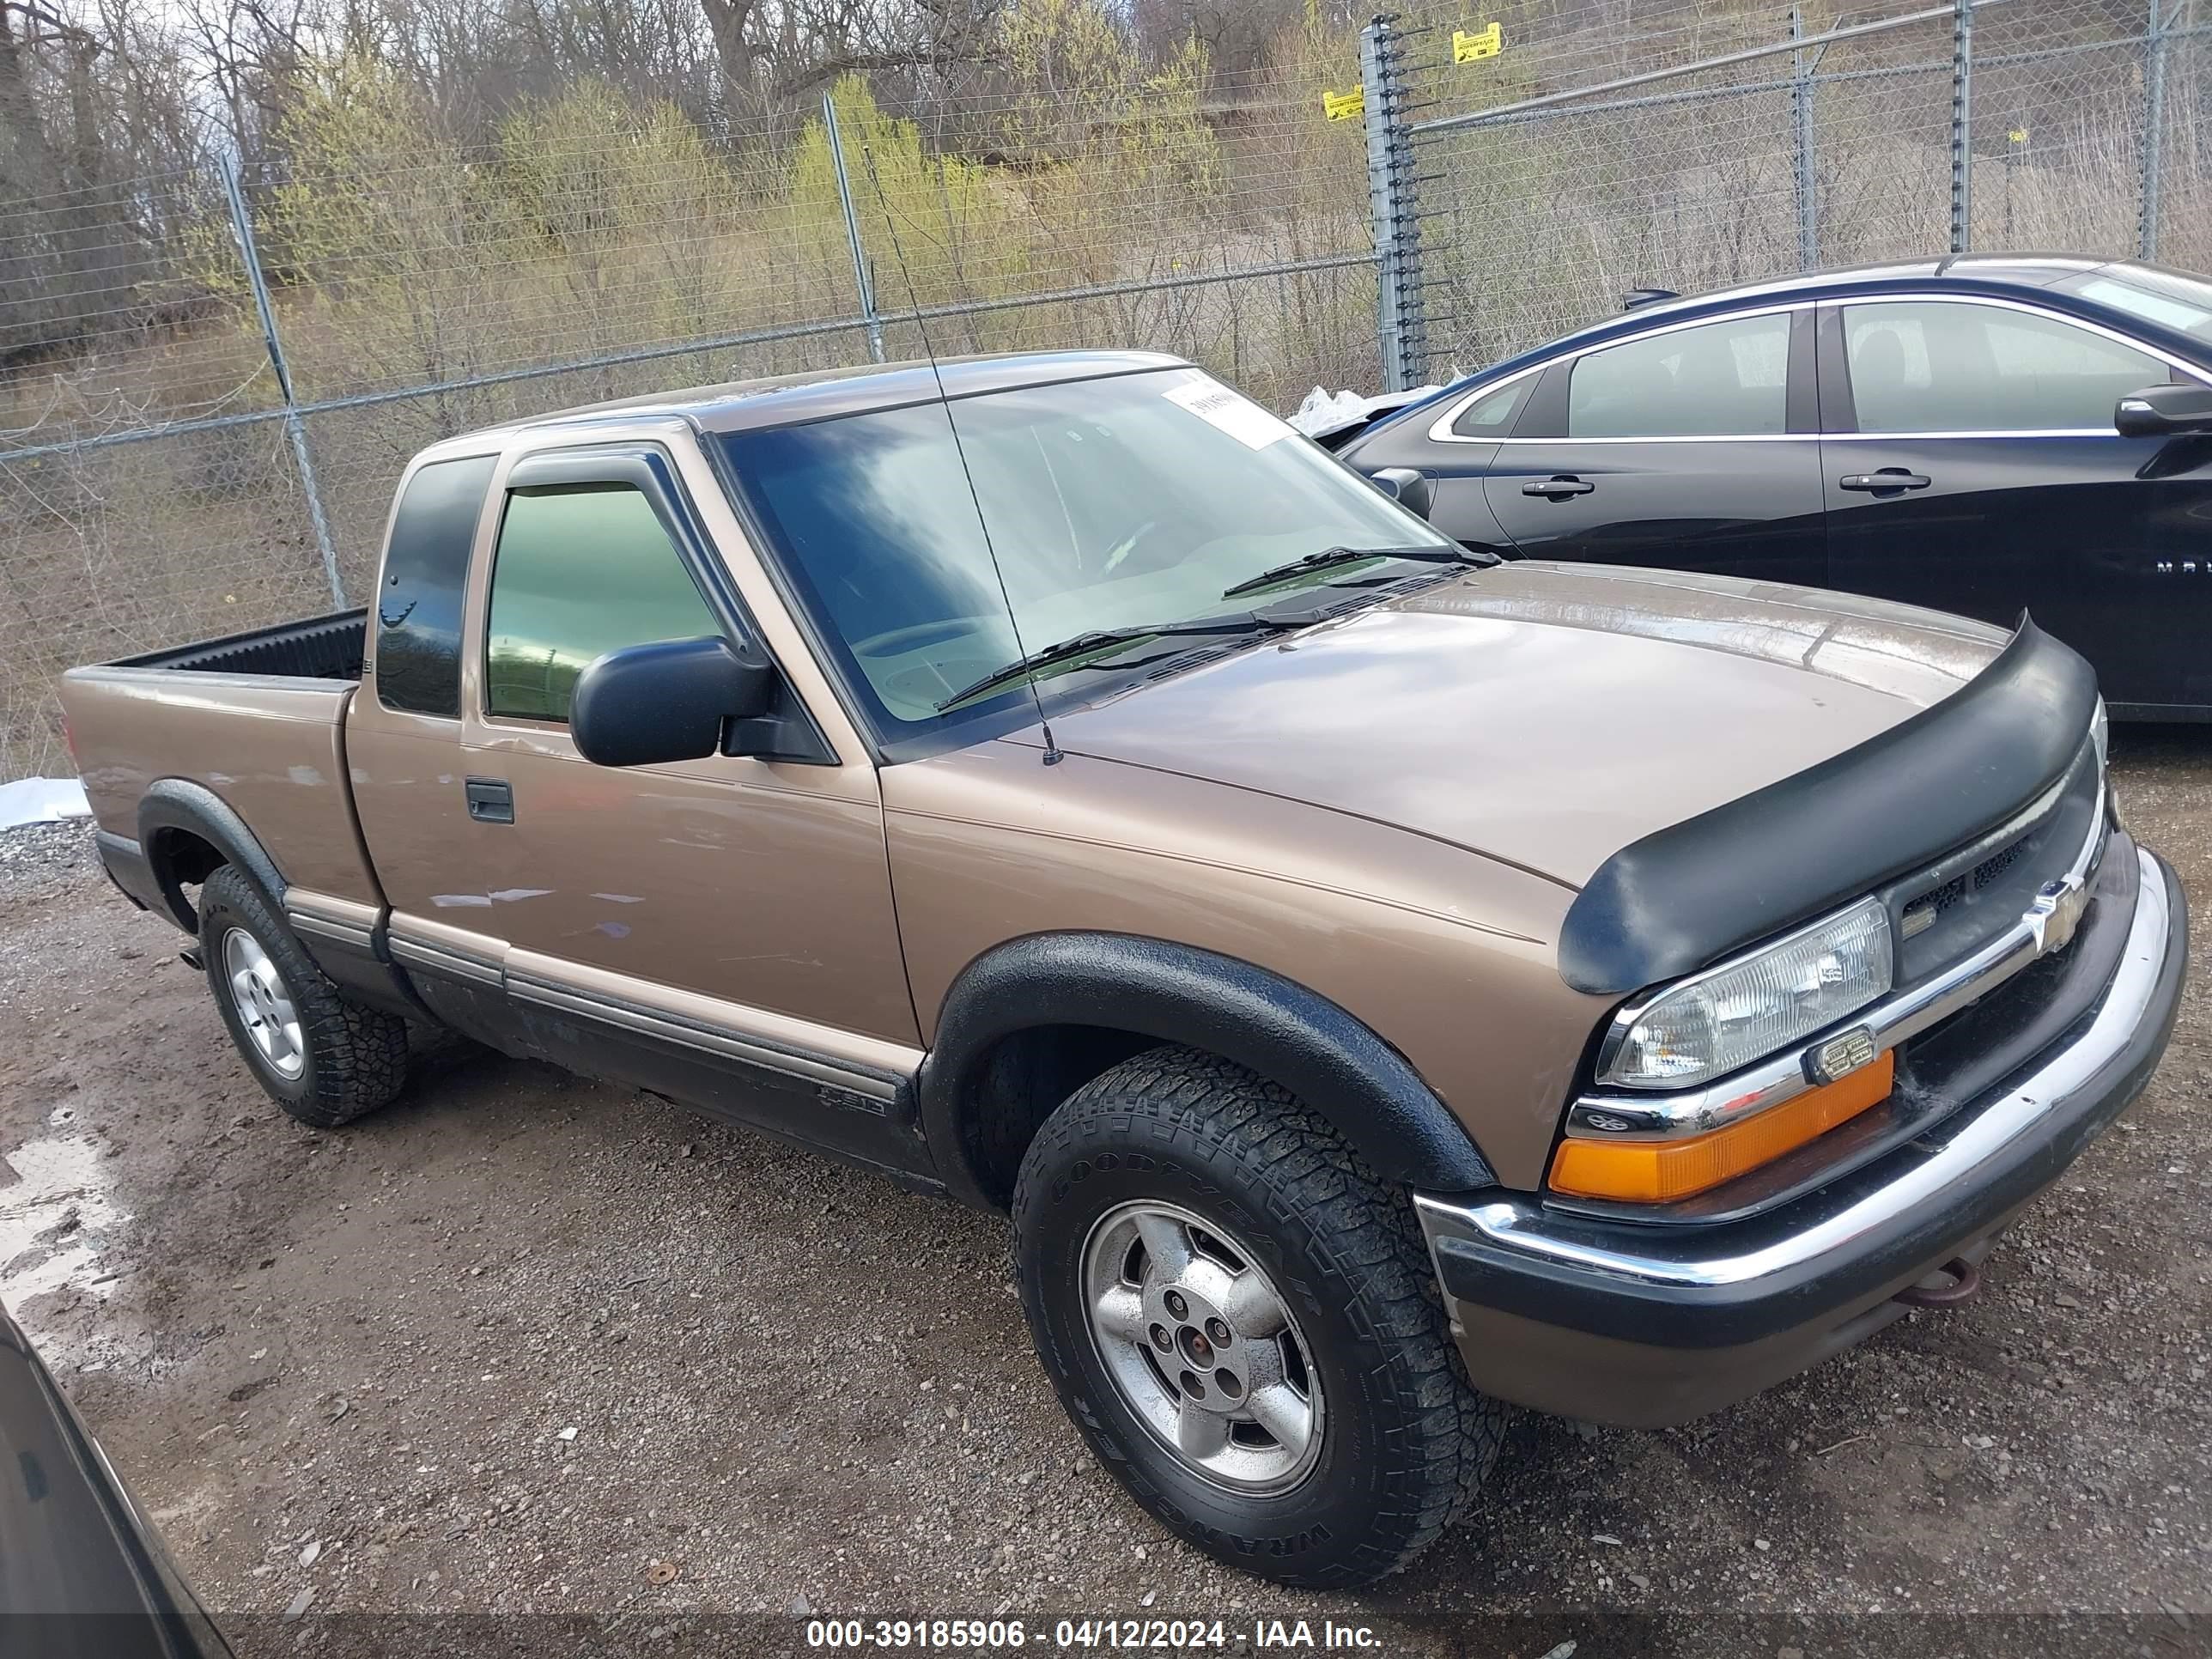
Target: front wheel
[{"x": 1237, "y": 1314}]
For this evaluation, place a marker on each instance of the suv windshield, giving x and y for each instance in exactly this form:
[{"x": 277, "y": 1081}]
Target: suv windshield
[{"x": 1113, "y": 503}]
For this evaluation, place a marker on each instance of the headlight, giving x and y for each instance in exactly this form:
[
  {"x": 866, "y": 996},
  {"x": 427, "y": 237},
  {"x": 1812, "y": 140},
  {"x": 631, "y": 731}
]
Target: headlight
[
  {"x": 1746, "y": 1010},
  {"x": 2100, "y": 733}
]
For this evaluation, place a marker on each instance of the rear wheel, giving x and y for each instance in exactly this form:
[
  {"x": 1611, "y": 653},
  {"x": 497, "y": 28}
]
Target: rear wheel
[
  {"x": 1239, "y": 1315},
  {"x": 324, "y": 1059}
]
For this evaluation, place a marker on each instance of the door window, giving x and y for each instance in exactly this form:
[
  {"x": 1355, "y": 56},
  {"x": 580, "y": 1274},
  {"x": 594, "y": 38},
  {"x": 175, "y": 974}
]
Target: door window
[
  {"x": 1933, "y": 367},
  {"x": 1719, "y": 380},
  {"x": 580, "y": 571}
]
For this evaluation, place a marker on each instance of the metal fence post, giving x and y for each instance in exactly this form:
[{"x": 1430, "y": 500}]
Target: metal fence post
[
  {"x": 1801, "y": 110},
  {"x": 241, "y": 229},
  {"x": 1401, "y": 326},
  {"x": 1962, "y": 137},
  {"x": 861, "y": 279},
  {"x": 2154, "y": 142}
]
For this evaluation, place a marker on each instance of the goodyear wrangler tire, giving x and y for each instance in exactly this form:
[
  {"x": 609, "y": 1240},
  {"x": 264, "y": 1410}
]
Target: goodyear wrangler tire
[
  {"x": 324, "y": 1059},
  {"x": 1240, "y": 1318}
]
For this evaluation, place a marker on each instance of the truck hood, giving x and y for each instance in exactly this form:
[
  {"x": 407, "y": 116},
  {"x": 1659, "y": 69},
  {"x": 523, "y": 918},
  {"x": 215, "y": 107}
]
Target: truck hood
[{"x": 1544, "y": 715}]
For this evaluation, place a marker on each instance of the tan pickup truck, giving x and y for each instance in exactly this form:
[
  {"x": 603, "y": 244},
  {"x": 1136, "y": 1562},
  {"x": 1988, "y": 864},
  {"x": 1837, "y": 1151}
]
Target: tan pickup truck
[{"x": 1381, "y": 983}]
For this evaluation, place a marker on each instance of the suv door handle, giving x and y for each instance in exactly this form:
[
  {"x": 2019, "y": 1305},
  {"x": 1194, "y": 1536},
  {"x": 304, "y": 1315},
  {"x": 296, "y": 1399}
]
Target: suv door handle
[
  {"x": 1558, "y": 488},
  {"x": 1889, "y": 478},
  {"x": 491, "y": 800}
]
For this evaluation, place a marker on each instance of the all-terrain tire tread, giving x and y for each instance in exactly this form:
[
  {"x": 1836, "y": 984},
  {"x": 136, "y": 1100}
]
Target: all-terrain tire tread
[
  {"x": 1453, "y": 1435},
  {"x": 357, "y": 1055}
]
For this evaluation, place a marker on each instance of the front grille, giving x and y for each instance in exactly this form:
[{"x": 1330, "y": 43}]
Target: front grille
[
  {"x": 1949, "y": 911},
  {"x": 1989, "y": 869}
]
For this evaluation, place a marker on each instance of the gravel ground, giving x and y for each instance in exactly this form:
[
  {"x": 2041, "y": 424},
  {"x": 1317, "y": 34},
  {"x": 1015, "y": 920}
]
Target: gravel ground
[{"x": 554, "y": 1366}]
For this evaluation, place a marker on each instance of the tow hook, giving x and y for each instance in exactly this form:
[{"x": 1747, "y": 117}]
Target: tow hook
[{"x": 1965, "y": 1285}]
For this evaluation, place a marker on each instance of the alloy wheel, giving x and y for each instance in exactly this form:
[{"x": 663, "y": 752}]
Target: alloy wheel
[
  {"x": 1202, "y": 1346},
  {"x": 264, "y": 1003}
]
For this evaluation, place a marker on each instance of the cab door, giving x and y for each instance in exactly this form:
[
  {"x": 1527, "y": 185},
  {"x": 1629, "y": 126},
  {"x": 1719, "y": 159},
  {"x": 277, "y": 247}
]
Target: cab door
[
  {"x": 1972, "y": 465},
  {"x": 1693, "y": 446},
  {"x": 720, "y": 930},
  {"x": 403, "y": 747}
]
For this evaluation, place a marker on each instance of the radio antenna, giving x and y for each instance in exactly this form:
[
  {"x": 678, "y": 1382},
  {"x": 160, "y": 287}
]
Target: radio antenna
[{"x": 982, "y": 522}]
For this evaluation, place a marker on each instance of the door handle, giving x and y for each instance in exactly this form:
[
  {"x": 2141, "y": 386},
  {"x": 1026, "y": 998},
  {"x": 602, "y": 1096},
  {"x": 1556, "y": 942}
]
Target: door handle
[
  {"x": 491, "y": 800},
  {"x": 1889, "y": 478},
  {"x": 1558, "y": 488}
]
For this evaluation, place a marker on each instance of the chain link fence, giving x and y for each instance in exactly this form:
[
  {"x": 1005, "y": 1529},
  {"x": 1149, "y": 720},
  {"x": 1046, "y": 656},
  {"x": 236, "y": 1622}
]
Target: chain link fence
[
  {"x": 188, "y": 449},
  {"x": 186, "y": 465},
  {"x": 2057, "y": 124}
]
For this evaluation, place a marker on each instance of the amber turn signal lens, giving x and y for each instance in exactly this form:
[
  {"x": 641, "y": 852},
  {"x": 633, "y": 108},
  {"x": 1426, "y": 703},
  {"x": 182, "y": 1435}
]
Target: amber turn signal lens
[{"x": 1660, "y": 1171}]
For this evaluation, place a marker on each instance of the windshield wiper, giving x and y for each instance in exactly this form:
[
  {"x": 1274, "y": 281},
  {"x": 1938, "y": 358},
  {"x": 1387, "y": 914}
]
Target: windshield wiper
[
  {"x": 1237, "y": 622},
  {"x": 1329, "y": 556}
]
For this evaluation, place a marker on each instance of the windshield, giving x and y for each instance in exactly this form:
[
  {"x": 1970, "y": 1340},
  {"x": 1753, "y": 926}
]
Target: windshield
[
  {"x": 2168, "y": 298},
  {"x": 1112, "y": 503}
]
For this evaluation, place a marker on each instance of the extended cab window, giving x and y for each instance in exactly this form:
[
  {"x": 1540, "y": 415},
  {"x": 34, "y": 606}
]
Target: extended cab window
[
  {"x": 580, "y": 570},
  {"x": 426, "y": 569},
  {"x": 1722, "y": 379},
  {"x": 1932, "y": 366}
]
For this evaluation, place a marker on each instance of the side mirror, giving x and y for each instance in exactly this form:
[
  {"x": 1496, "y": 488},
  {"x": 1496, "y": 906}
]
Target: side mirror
[
  {"x": 1403, "y": 485},
  {"x": 2161, "y": 411},
  {"x": 673, "y": 700}
]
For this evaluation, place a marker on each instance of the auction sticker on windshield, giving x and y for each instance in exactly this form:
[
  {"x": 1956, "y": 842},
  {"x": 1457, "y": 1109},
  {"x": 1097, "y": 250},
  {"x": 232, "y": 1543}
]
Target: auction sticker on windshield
[{"x": 1240, "y": 418}]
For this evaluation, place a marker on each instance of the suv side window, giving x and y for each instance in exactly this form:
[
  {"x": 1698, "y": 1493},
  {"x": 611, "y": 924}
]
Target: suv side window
[
  {"x": 579, "y": 570},
  {"x": 426, "y": 569},
  {"x": 1931, "y": 366},
  {"x": 1723, "y": 380}
]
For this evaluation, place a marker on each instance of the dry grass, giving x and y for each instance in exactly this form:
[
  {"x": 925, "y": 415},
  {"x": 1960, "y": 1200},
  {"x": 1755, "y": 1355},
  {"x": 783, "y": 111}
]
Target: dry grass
[{"x": 596, "y": 226}]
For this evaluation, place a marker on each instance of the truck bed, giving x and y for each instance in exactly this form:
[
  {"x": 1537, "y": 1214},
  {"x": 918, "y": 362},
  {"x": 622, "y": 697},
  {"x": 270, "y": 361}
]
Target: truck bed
[
  {"x": 256, "y": 719},
  {"x": 320, "y": 648}
]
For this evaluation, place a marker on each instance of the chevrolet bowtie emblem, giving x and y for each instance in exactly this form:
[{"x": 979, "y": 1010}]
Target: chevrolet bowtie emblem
[{"x": 2055, "y": 914}]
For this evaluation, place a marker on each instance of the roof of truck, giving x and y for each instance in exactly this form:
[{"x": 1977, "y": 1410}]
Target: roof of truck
[{"x": 823, "y": 394}]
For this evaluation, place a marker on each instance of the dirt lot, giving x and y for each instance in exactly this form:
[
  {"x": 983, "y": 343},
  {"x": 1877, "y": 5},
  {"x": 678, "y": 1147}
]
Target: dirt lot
[{"x": 525, "y": 1346}]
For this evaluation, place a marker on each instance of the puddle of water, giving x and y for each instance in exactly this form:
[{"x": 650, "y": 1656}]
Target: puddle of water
[{"x": 43, "y": 1183}]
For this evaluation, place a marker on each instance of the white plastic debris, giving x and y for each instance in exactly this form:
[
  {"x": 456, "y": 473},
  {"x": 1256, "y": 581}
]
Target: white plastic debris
[
  {"x": 41, "y": 800},
  {"x": 1325, "y": 411}
]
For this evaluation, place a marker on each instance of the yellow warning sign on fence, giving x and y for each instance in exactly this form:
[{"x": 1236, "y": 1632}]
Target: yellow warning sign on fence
[
  {"x": 1472, "y": 46},
  {"x": 1344, "y": 106}
]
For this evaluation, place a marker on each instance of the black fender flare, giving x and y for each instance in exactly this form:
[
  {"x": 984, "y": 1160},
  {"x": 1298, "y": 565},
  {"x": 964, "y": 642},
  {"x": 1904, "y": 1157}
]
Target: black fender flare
[
  {"x": 171, "y": 805},
  {"x": 1178, "y": 993}
]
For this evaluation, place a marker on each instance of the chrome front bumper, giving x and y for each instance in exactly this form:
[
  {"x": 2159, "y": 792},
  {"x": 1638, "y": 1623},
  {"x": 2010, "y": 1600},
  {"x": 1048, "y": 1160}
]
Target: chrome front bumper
[{"x": 1646, "y": 1325}]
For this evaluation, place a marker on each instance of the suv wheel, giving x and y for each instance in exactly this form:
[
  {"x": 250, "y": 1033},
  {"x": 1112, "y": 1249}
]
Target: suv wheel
[
  {"x": 1238, "y": 1313},
  {"x": 325, "y": 1060}
]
